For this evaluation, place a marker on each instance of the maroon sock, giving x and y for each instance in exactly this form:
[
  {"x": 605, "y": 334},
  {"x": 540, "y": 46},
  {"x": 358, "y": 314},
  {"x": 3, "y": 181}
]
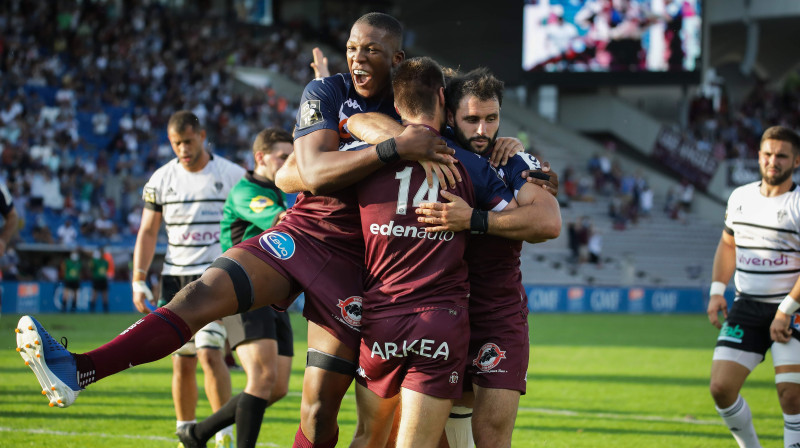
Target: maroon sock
[
  {"x": 300, "y": 441},
  {"x": 155, "y": 336}
]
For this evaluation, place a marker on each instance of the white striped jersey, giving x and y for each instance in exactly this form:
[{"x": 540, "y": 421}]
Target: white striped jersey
[
  {"x": 191, "y": 207},
  {"x": 767, "y": 235}
]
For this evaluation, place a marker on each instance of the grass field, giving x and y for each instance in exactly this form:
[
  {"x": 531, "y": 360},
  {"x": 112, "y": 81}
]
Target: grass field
[{"x": 593, "y": 381}]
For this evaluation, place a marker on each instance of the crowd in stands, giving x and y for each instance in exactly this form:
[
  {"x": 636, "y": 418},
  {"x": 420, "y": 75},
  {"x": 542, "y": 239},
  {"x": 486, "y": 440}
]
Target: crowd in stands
[
  {"x": 734, "y": 131},
  {"x": 87, "y": 89}
]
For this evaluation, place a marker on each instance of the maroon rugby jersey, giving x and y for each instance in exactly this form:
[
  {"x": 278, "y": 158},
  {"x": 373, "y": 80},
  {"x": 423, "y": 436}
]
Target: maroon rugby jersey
[
  {"x": 494, "y": 275},
  {"x": 410, "y": 270},
  {"x": 495, "y": 278}
]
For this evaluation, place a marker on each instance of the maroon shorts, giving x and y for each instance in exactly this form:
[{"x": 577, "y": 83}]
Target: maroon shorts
[
  {"x": 331, "y": 281},
  {"x": 499, "y": 350},
  {"x": 423, "y": 352}
]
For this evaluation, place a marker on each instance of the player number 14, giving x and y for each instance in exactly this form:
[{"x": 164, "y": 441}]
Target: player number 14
[{"x": 424, "y": 193}]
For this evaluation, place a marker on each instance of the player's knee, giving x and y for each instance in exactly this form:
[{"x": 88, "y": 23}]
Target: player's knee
[
  {"x": 279, "y": 390},
  {"x": 722, "y": 393}
]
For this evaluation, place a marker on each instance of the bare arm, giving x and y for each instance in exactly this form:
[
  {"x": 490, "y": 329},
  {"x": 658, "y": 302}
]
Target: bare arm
[
  {"x": 536, "y": 218},
  {"x": 724, "y": 267},
  {"x": 9, "y": 229},
  {"x": 288, "y": 178},
  {"x": 324, "y": 169},
  {"x": 373, "y": 127},
  {"x": 143, "y": 252}
]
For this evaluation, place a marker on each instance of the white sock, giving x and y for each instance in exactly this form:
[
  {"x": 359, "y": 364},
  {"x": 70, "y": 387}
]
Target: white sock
[
  {"x": 459, "y": 428},
  {"x": 740, "y": 421},
  {"x": 180, "y": 423},
  {"x": 791, "y": 431},
  {"x": 225, "y": 431}
]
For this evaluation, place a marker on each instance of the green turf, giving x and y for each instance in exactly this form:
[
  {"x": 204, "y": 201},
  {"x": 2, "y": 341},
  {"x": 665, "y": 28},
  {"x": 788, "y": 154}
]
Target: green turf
[{"x": 593, "y": 381}]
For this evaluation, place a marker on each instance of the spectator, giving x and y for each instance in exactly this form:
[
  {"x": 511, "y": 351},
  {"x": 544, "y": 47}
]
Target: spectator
[{"x": 67, "y": 234}]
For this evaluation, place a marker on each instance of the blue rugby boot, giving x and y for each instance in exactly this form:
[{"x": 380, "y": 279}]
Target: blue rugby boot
[{"x": 53, "y": 365}]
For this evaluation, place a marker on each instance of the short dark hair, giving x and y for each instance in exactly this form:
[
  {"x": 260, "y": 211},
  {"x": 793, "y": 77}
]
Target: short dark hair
[
  {"x": 416, "y": 82},
  {"x": 385, "y": 22},
  {"x": 182, "y": 118},
  {"x": 783, "y": 134},
  {"x": 268, "y": 137},
  {"x": 479, "y": 82}
]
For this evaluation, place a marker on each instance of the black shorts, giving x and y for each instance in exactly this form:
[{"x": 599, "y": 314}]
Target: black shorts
[
  {"x": 100, "y": 284},
  {"x": 171, "y": 284},
  {"x": 72, "y": 284},
  {"x": 261, "y": 323},
  {"x": 747, "y": 327}
]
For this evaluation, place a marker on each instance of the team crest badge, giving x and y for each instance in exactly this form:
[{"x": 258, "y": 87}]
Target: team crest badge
[
  {"x": 489, "y": 356},
  {"x": 454, "y": 377},
  {"x": 310, "y": 113},
  {"x": 782, "y": 214},
  {"x": 278, "y": 244},
  {"x": 351, "y": 310},
  {"x": 218, "y": 186},
  {"x": 259, "y": 203}
]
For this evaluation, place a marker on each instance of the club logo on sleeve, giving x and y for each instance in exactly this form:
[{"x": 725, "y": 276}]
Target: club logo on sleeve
[
  {"x": 351, "y": 310},
  {"x": 149, "y": 195},
  {"x": 310, "y": 113},
  {"x": 489, "y": 356},
  {"x": 259, "y": 203},
  {"x": 278, "y": 244}
]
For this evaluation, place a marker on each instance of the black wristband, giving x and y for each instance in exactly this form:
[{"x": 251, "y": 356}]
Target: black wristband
[
  {"x": 479, "y": 222},
  {"x": 387, "y": 151}
]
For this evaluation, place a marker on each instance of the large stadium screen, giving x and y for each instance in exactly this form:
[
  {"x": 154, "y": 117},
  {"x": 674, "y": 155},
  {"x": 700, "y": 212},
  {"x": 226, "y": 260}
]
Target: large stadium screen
[
  {"x": 615, "y": 41},
  {"x": 257, "y": 12}
]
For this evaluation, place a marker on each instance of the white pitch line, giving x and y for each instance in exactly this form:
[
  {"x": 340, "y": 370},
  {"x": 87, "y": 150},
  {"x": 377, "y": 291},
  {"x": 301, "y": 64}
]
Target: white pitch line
[
  {"x": 99, "y": 434},
  {"x": 646, "y": 418}
]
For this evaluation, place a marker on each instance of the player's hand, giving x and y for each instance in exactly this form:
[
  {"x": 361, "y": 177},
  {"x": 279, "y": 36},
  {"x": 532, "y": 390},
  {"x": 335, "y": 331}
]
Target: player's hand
[
  {"x": 717, "y": 304},
  {"x": 454, "y": 215},
  {"x": 320, "y": 64},
  {"x": 505, "y": 148},
  {"x": 445, "y": 172},
  {"x": 417, "y": 142},
  {"x": 546, "y": 177},
  {"x": 779, "y": 329},
  {"x": 141, "y": 292}
]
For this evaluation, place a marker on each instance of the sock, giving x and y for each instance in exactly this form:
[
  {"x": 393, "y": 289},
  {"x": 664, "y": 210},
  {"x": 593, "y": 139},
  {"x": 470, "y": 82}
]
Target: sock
[
  {"x": 249, "y": 415},
  {"x": 180, "y": 423},
  {"x": 740, "y": 421},
  {"x": 225, "y": 416},
  {"x": 791, "y": 431},
  {"x": 459, "y": 428},
  {"x": 155, "y": 336},
  {"x": 300, "y": 441}
]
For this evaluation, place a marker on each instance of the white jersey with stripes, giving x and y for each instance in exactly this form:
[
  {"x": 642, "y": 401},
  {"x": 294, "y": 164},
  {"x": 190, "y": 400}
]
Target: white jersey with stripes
[
  {"x": 191, "y": 206},
  {"x": 767, "y": 236}
]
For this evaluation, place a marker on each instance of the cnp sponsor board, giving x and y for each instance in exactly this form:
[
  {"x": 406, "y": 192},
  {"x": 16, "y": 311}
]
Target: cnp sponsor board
[
  {"x": 580, "y": 299},
  {"x": 47, "y": 297}
]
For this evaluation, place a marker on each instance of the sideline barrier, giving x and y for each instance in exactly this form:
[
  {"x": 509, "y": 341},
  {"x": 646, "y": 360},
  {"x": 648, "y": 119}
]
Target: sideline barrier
[
  {"x": 46, "y": 297},
  {"x": 633, "y": 300}
]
